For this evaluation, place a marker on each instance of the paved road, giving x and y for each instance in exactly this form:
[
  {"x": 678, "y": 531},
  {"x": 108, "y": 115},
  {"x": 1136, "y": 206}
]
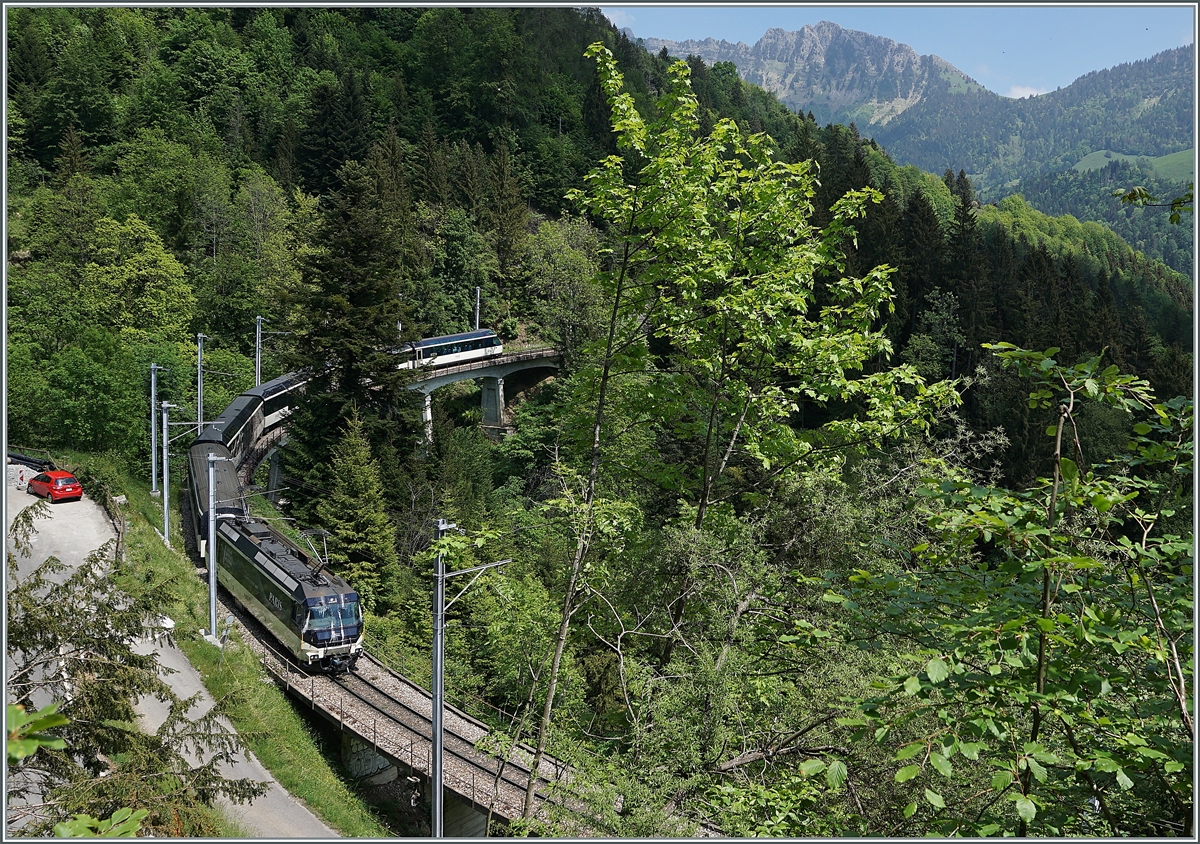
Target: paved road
[
  {"x": 274, "y": 815},
  {"x": 75, "y": 529}
]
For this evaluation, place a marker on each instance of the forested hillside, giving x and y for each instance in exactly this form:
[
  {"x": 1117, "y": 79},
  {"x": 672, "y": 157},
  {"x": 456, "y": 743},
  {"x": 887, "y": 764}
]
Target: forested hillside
[
  {"x": 1088, "y": 195},
  {"x": 1143, "y": 108},
  {"x": 801, "y": 545}
]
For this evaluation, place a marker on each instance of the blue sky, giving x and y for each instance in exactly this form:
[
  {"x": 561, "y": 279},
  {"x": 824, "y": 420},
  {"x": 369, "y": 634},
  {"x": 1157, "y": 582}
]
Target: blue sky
[{"x": 1013, "y": 50}]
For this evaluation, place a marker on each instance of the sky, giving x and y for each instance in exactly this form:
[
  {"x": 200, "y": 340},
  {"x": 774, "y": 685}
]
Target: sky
[{"x": 1013, "y": 50}]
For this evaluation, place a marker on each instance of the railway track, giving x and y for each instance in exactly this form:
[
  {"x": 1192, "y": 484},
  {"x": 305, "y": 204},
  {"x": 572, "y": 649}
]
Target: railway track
[
  {"x": 395, "y": 715},
  {"x": 503, "y": 781}
]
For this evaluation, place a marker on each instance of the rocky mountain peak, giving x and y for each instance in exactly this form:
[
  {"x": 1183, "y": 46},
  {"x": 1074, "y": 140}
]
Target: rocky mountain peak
[{"x": 841, "y": 75}]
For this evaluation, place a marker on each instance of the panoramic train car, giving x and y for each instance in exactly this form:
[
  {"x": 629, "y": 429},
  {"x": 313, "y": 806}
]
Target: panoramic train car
[
  {"x": 315, "y": 615},
  {"x": 450, "y": 349}
]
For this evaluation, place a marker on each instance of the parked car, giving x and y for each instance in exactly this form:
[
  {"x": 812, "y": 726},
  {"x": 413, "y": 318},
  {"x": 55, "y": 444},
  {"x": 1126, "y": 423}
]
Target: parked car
[{"x": 56, "y": 485}]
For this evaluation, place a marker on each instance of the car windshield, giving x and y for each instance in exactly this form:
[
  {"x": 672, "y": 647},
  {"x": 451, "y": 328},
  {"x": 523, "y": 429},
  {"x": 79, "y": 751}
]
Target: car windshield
[
  {"x": 333, "y": 615},
  {"x": 64, "y": 481}
]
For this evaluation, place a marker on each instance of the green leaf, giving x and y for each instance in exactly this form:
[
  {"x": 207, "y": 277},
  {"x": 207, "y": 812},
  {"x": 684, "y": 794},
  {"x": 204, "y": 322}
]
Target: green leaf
[
  {"x": 1001, "y": 780},
  {"x": 911, "y": 686},
  {"x": 907, "y": 772},
  {"x": 1173, "y": 766},
  {"x": 1141, "y": 428},
  {"x": 910, "y": 809},
  {"x": 836, "y": 774},
  {"x": 940, "y": 764},
  {"x": 937, "y": 669},
  {"x": 811, "y": 767},
  {"x": 1123, "y": 779},
  {"x": 935, "y": 799},
  {"x": 1070, "y": 471},
  {"x": 1039, "y": 773},
  {"x": 909, "y": 750},
  {"x": 970, "y": 749},
  {"x": 1025, "y": 808}
]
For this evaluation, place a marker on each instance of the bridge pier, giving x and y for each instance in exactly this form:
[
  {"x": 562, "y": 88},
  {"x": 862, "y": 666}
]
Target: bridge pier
[
  {"x": 364, "y": 763},
  {"x": 427, "y": 418},
  {"x": 492, "y": 401}
]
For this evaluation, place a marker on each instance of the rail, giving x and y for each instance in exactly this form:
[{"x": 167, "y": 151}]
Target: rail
[{"x": 401, "y": 732}]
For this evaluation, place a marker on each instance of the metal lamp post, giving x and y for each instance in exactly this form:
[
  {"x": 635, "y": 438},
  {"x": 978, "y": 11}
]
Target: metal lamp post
[
  {"x": 439, "y": 646},
  {"x": 166, "y": 461},
  {"x": 154, "y": 370},
  {"x": 200, "y": 382}
]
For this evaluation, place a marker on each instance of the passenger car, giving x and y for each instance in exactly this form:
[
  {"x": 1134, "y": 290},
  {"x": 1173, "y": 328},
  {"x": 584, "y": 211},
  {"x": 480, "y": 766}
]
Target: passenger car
[{"x": 56, "y": 485}]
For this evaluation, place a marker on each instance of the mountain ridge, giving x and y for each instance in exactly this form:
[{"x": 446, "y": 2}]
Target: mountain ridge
[{"x": 841, "y": 75}]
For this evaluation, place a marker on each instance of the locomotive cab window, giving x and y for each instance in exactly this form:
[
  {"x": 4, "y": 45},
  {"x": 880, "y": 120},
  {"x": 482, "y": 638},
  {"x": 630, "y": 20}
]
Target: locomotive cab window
[{"x": 333, "y": 615}]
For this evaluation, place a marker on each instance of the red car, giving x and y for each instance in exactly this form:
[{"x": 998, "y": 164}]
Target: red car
[{"x": 56, "y": 485}]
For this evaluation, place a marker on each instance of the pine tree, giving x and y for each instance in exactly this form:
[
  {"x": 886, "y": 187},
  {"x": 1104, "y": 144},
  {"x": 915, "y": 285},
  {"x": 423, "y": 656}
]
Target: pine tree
[
  {"x": 362, "y": 540},
  {"x": 318, "y": 149},
  {"x": 511, "y": 211},
  {"x": 347, "y": 313},
  {"x": 1106, "y": 324},
  {"x": 920, "y": 268},
  {"x": 966, "y": 273}
]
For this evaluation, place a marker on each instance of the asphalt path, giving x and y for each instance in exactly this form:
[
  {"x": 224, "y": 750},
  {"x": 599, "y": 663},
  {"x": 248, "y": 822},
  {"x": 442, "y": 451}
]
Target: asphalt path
[{"x": 75, "y": 529}]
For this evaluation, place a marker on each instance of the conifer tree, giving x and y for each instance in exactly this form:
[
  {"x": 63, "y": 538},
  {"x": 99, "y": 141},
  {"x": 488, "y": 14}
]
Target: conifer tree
[
  {"x": 920, "y": 269},
  {"x": 966, "y": 272},
  {"x": 347, "y": 312},
  {"x": 362, "y": 541}
]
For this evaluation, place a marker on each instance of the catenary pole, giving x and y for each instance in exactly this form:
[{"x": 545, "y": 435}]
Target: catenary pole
[
  {"x": 258, "y": 321},
  {"x": 212, "y": 544},
  {"x": 154, "y": 370},
  {"x": 439, "y": 689},
  {"x": 166, "y": 462},
  {"x": 200, "y": 383},
  {"x": 477, "y": 308}
]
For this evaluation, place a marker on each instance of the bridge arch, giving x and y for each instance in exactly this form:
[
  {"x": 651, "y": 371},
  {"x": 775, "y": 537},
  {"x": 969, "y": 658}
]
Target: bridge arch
[{"x": 493, "y": 372}]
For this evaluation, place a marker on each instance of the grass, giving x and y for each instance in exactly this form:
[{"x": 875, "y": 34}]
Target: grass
[
  {"x": 1176, "y": 167},
  {"x": 285, "y": 744},
  {"x": 271, "y": 728}
]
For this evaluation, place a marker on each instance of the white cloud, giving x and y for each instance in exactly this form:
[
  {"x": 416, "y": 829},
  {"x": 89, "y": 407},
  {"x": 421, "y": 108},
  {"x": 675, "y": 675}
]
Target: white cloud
[
  {"x": 619, "y": 17},
  {"x": 1018, "y": 91}
]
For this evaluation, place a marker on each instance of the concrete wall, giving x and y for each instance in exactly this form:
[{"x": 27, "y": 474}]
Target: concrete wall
[{"x": 363, "y": 763}]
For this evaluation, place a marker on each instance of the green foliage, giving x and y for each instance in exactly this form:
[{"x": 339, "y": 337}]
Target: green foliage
[
  {"x": 124, "y": 823},
  {"x": 70, "y": 636},
  {"x": 25, "y": 734},
  {"x": 1028, "y": 609},
  {"x": 1141, "y": 197}
]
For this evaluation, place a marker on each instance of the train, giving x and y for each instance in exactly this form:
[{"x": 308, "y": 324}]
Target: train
[
  {"x": 450, "y": 349},
  {"x": 313, "y": 613}
]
